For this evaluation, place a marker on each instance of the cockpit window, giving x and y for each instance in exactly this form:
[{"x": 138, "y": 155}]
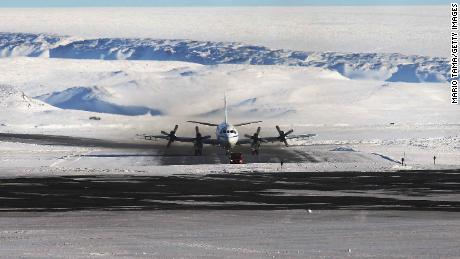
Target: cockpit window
[{"x": 227, "y": 131}]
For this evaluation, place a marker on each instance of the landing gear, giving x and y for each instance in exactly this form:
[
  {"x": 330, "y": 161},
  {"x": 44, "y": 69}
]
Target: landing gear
[
  {"x": 198, "y": 152},
  {"x": 236, "y": 158}
]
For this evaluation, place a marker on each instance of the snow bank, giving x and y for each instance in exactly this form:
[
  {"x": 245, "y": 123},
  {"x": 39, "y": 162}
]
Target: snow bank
[{"x": 369, "y": 66}]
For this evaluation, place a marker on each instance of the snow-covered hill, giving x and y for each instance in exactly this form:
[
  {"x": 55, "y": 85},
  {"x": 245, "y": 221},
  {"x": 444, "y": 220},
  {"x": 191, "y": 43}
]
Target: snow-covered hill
[
  {"x": 307, "y": 95},
  {"x": 13, "y": 100},
  {"x": 369, "y": 66},
  {"x": 30, "y": 45},
  {"x": 92, "y": 99}
]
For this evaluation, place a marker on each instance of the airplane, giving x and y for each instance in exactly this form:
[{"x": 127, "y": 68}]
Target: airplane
[{"x": 226, "y": 136}]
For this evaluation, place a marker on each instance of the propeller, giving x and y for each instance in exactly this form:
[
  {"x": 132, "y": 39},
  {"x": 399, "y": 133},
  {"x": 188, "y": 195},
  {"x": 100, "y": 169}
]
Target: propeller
[
  {"x": 199, "y": 141},
  {"x": 283, "y": 135},
  {"x": 171, "y": 135},
  {"x": 256, "y": 140},
  {"x": 199, "y": 138}
]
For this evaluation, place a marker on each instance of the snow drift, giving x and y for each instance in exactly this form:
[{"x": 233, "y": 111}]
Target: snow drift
[{"x": 369, "y": 66}]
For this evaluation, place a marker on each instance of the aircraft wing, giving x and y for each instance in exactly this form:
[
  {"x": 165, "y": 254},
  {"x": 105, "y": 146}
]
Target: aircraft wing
[
  {"x": 245, "y": 141},
  {"x": 276, "y": 139},
  {"x": 184, "y": 139},
  {"x": 210, "y": 141},
  {"x": 246, "y": 123},
  {"x": 301, "y": 136},
  {"x": 270, "y": 139},
  {"x": 205, "y": 140},
  {"x": 204, "y": 123},
  {"x": 153, "y": 137}
]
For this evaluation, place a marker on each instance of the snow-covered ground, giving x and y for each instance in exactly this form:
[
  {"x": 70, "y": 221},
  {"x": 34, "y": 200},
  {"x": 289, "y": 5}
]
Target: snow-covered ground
[
  {"x": 231, "y": 234},
  {"x": 385, "y": 120},
  {"x": 372, "y": 84},
  {"x": 352, "y": 116}
]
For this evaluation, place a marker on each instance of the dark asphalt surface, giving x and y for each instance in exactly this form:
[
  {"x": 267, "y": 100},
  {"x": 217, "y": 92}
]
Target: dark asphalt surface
[
  {"x": 40, "y": 139},
  {"x": 415, "y": 190},
  {"x": 177, "y": 154}
]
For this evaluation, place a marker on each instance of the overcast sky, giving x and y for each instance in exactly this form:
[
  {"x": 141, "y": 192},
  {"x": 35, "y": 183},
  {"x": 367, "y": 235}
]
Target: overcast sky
[{"x": 115, "y": 3}]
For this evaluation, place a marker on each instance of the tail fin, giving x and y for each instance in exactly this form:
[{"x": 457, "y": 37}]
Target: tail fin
[{"x": 225, "y": 107}]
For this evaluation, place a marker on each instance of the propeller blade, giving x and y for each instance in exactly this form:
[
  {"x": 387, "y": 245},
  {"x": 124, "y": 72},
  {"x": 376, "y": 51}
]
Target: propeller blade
[
  {"x": 205, "y": 137},
  {"x": 248, "y": 136},
  {"x": 171, "y": 135},
  {"x": 258, "y": 130},
  {"x": 278, "y": 129},
  {"x": 289, "y": 132},
  {"x": 197, "y": 130},
  {"x": 285, "y": 143}
]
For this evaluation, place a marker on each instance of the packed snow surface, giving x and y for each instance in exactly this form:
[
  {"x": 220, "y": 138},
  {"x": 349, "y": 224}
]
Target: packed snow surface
[{"x": 231, "y": 234}]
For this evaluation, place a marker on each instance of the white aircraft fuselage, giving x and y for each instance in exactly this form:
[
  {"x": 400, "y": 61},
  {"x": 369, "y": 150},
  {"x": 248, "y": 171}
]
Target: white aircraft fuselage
[{"x": 226, "y": 135}]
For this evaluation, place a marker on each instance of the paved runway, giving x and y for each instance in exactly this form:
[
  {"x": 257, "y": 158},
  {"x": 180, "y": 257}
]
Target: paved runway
[
  {"x": 177, "y": 154},
  {"x": 238, "y": 215},
  {"x": 417, "y": 190}
]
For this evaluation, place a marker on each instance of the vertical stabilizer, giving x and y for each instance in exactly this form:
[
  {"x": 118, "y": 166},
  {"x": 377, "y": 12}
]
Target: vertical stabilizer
[{"x": 225, "y": 108}]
